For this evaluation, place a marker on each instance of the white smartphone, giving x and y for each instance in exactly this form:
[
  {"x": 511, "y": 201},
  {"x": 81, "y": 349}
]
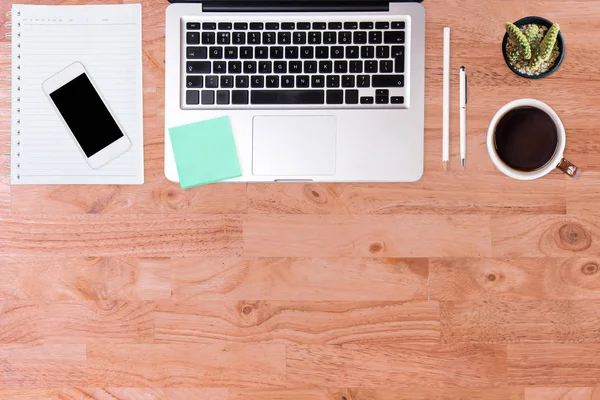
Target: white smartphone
[{"x": 74, "y": 96}]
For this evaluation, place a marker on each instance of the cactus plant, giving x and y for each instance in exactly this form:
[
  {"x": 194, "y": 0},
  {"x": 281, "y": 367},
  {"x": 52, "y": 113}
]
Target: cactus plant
[
  {"x": 547, "y": 44},
  {"x": 531, "y": 48},
  {"x": 518, "y": 37}
]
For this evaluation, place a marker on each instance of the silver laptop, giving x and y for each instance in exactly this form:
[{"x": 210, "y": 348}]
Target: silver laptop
[{"x": 316, "y": 90}]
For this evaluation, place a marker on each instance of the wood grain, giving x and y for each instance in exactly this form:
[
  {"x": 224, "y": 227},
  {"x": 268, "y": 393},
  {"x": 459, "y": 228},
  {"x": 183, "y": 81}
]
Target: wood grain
[
  {"x": 186, "y": 365},
  {"x": 552, "y": 364},
  {"x": 297, "y": 322},
  {"x": 515, "y": 279},
  {"x": 366, "y": 236},
  {"x": 119, "y": 235},
  {"x": 547, "y": 235},
  {"x": 307, "y": 279},
  {"x": 436, "y": 365},
  {"x": 83, "y": 278},
  {"x": 466, "y": 285},
  {"x": 509, "y": 322}
]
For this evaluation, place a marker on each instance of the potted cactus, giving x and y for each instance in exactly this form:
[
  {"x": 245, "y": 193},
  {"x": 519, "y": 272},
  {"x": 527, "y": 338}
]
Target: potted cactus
[{"x": 533, "y": 47}]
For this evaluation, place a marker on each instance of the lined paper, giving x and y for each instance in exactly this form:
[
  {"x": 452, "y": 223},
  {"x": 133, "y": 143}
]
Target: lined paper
[{"x": 107, "y": 40}]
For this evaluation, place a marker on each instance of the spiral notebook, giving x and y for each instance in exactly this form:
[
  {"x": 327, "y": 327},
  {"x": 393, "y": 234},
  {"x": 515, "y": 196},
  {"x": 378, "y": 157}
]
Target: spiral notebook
[{"x": 107, "y": 40}]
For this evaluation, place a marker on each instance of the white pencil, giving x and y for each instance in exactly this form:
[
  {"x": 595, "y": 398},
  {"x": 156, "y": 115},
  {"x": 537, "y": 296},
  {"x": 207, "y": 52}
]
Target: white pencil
[
  {"x": 463, "y": 116},
  {"x": 446, "y": 100}
]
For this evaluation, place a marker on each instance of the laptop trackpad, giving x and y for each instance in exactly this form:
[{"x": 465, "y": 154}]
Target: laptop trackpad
[{"x": 293, "y": 145}]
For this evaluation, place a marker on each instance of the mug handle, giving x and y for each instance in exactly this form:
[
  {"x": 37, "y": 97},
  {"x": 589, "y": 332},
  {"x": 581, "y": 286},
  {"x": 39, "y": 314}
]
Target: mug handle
[{"x": 568, "y": 168}]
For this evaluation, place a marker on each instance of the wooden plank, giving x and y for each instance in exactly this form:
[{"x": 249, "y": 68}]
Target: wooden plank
[
  {"x": 366, "y": 236},
  {"x": 42, "y": 366},
  {"x": 83, "y": 278},
  {"x": 388, "y": 393},
  {"x": 72, "y": 322},
  {"x": 295, "y": 322},
  {"x": 515, "y": 279},
  {"x": 391, "y": 279},
  {"x": 156, "y": 196},
  {"x": 583, "y": 194},
  {"x": 562, "y": 393},
  {"x": 520, "y": 322},
  {"x": 96, "y": 393},
  {"x": 466, "y": 365},
  {"x": 545, "y": 235},
  {"x": 554, "y": 364},
  {"x": 186, "y": 365},
  {"x": 494, "y": 195},
  {"x": 120, "y": 234}
]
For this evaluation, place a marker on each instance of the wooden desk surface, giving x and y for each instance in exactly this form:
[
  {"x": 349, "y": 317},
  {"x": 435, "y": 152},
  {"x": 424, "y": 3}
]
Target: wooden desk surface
[{"x": 461, "y": 286}]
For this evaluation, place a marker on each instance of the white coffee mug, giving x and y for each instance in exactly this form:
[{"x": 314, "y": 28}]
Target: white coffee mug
[{"x": 557, "y": 160}]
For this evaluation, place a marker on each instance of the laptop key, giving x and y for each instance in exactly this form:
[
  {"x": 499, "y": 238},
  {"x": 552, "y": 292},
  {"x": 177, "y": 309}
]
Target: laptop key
[
  {"x": 322, "y": 52},
  {"x": 383, "y": 52},
  {"x": 356, "y": 67},
  {"x": 341, "y": 67},
  {"x": 219, "y": 67},
  {"x": 242, "y": 81},
  {"x": 295, "y": 67},
  {"x": 239, "y": 37},
  {"x": 325, "y": 67},
  {"x": 319, "y": 25},
  {"x": 276, "y": 52},
  {"x": 246, "y": 53},
  {"x": 337, "y": 52},
  {"x": 302, "y": 81},
  {"x": 367, "y": 100},
  {"x": 385, "y": 66},
  {"x": 382, "y": 81},
  {"x": 366, "y": 25},
  {"x": 367, "y": 52},
  {"x": 192, "y": 97},
  {"x": 397, "y": 100},
  {"x": 348, "y": 81},
  {"x": 194, "y": 81},
  {"x": 280, "y": 67},
  {"x": 299, "y": 37},
  {"x": 314, "y": 37},
  {"x": 375, "y": 37},
  {"x": 398, "y": 25},
  {"x": 335, "y": 97},
  {"x": 249, "y": 67},
  {"x": 284, "y": 37},
  {"x": 330, "y": 38},
  {"x": 317, "y": 81},
  {"x": 398, "y": 55},
  {"x": 333, "y": 81},
  {"x": 382, "y": 25},
  {"x": 287, "y": 81},
  {"x": 208, "y": 97},
  {"x": 239, "y": 97},
  {"x": 234, "y": 67},
  {"x": 224, "y": 38},
  {"x": 272, "y": 26},
  {"x": 288, "y": 26},
  {"x": 225, "y": 26},
  {"x": 287, "y": 96},
  {"x": 226, "y": 81},
  {"x": 393, "y": 37},
  {"x": 268, "y": 37},
  {"x": 231, "y": 52},
  {"x": 209, "y": 26},
  {"x": 208, "y": 38},
  {"x": 345, "y": 37},
  {"x": 261, "y": 52},
  {"x": 265, "y": 67},
  {"x": 212, "y": 82},
  {"x": 257, "y": 81},
  {"x": 216, "y": 53},
  {"x": 303, "y": 25},
  {"x": 198, "y": 67},
  {"x": 192, "y": 37},
  {"x": 370, "y": 66},
  {"x": 352, "y": 96},
  {"x": 310, "y": 67},
  {"x": 360, "y": 37},
  {"x": 363, "y": 81},
  {"x": 307, "y": 52},
  {"x": 240, "y": 26},
  {"x": 193, "y": 25},
  {"x": 334, "y": 25},
  {"x": 350, "y": 25},
  {"x": 352, "y": 52},
  {"x": 382, "y": 96},
  {"x": 256, "y": 26},
  {"x": 196, "y": 53},
  {"x": 222, "y": 96},
  {"x": 253, "y": 37},
  {"x": 272, "y": 81}
]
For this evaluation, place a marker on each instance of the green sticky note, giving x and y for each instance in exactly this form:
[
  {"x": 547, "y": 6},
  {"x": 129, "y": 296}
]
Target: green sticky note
[{"x": 205, "y": 152}]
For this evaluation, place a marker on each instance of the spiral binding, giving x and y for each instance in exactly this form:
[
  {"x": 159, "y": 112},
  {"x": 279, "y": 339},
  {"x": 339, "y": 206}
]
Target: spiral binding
[{"x": 15, "y": 45}]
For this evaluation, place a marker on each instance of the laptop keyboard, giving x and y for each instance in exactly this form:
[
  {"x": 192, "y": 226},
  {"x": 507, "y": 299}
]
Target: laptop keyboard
[{"x": 351, "y": 64}]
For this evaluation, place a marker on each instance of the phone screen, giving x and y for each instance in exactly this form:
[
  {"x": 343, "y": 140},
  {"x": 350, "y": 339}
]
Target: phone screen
[{"x": 86, "y": 115}]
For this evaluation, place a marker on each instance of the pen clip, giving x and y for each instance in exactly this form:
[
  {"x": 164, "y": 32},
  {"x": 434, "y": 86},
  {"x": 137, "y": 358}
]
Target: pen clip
[{"x": 466, "y": 88}]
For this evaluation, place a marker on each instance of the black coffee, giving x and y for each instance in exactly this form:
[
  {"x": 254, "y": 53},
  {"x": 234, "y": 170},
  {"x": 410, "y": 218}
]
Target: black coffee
[{"x": 526, "y": 138}]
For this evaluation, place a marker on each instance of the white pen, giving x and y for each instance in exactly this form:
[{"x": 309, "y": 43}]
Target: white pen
[
  {"x": 446, "y": 102},
  {"x": 463, "y": 115}
]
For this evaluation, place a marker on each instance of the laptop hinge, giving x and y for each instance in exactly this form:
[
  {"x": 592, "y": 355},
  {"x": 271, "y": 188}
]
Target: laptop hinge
[{"x": 295, "y": 6}]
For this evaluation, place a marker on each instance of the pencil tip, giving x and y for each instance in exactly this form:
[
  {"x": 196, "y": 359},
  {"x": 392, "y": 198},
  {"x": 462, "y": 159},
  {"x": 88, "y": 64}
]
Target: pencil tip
[
  {"x": 445, "y": 164},
  {"x": 462, "y": 161}
]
